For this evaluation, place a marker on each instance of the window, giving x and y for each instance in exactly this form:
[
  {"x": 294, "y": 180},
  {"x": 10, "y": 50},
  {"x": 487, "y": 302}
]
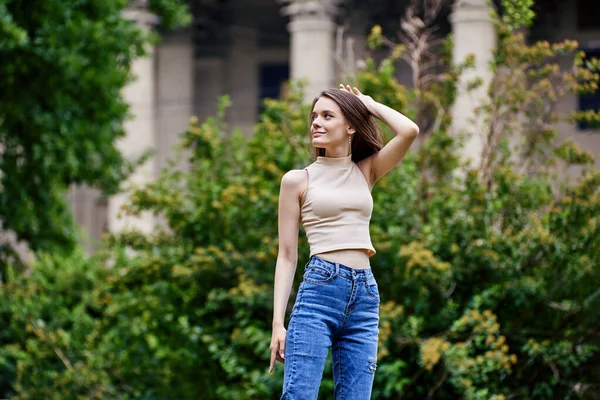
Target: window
[
  {"x": 272, "y": 77},
  {"x": 587, "y": 15}
]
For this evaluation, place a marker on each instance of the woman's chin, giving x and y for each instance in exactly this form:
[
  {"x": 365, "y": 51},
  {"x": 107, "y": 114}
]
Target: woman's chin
[{"x": 318, "y": 142}]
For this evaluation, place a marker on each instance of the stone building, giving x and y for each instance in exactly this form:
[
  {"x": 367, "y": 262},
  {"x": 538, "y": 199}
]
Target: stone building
[{"x": 248, "y": 48}]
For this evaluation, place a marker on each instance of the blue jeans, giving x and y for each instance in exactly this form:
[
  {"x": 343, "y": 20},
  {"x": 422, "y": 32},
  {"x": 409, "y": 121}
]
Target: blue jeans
[{"x": 338, "y": 307}]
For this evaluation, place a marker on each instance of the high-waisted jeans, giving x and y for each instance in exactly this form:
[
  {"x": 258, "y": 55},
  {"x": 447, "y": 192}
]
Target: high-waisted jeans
[{"x": 336, "y": 307}]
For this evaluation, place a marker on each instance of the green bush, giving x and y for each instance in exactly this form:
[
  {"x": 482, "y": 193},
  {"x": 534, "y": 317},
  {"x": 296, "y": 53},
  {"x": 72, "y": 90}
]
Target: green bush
[
  {"x": 64, "y": 66},
  {"x": 51, "y": 323},
  {"x": 488, "y": 274}
]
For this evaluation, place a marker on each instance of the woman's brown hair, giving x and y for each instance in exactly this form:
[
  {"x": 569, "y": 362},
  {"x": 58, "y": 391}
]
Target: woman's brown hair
[{"x": 367, "y": 139}]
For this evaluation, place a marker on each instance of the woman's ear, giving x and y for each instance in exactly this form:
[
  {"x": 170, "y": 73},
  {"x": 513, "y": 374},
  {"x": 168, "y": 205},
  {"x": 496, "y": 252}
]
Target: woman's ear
[{"x": 350, "y": 130}]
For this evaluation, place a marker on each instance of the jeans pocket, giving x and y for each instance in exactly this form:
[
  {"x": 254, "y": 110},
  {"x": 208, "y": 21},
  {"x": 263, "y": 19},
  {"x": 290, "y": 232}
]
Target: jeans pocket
[
  {"x": 318, "y": 275},
  {"x": 372, "y": 290}
]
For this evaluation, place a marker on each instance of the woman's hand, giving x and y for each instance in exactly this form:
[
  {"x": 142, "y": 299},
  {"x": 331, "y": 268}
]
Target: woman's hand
[
  {"x": 277, "y": 346},
  {"x": 367, "y": 100}
]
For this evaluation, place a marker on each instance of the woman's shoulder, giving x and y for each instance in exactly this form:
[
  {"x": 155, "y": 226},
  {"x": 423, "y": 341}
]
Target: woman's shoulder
[
  {"x": 294, "y": 183},
  {"x": 294, "y": 179}
]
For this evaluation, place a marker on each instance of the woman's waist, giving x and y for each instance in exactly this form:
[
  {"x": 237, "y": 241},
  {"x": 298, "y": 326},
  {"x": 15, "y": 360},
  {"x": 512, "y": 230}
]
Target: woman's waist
[{"x": 353, "y": 258}]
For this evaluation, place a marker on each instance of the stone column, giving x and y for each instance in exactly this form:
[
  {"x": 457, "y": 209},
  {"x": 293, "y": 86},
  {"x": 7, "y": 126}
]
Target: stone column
[
  {"x": 312, "y": 28},
  {"x": 242, "y": 78},
  {"x": 88, "y": 207},
  {"x": 211, "y": 46},
  {"x": 140, "y": 129},
  {"x": 209, "y": 85},
  {"x": 175, "y": 92},
  {"x": 474, "y": 33}
]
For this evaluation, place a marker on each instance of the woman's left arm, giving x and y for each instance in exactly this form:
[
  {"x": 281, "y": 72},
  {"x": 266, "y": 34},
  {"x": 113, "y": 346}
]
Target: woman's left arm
[{"x": 405, "y": 132}]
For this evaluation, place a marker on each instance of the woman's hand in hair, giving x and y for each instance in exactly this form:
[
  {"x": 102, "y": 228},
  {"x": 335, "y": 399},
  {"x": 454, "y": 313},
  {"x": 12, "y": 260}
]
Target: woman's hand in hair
[{"x": 367, "y": 100}]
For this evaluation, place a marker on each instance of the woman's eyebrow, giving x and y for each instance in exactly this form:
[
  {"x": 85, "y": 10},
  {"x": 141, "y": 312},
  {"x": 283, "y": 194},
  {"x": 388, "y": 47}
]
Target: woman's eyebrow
[{"x": 324, "y": 111}]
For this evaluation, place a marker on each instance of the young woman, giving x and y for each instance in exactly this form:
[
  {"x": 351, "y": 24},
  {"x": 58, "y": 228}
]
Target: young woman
[{"x": 337, "y": 305}]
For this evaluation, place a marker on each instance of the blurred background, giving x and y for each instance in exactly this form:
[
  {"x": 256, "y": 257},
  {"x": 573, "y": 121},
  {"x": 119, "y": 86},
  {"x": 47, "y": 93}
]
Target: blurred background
[
  {"x": 250, "y": 49},
  {"x": 142, "y": 144}
]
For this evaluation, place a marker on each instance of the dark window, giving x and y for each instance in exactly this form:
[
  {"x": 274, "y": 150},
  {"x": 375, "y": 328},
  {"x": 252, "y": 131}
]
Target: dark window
[
  {"x": 587, "y": 14},
  {"x": 272, "y": 77},
  {"x": 589, "y": 101}
]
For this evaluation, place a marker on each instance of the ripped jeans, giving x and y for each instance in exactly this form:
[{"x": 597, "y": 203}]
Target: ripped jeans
[{"x": 336, "y": 307}]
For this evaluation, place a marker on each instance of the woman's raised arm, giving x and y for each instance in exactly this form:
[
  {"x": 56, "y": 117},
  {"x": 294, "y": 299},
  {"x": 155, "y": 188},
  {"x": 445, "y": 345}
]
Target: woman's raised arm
[{"x": 394, "y": 151}]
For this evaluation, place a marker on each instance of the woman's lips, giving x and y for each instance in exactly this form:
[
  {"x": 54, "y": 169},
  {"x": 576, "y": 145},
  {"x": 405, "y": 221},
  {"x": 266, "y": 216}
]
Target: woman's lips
[{"x": 317, "y": 134}]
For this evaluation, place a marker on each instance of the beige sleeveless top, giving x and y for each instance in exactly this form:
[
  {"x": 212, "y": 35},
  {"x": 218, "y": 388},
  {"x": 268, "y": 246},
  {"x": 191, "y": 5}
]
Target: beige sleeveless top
[{"x": 337, "y": 207}]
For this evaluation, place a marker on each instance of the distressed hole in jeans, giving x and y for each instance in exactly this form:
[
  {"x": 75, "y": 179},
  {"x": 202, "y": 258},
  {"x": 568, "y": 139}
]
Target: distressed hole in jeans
[{"x": 372, "y": 365}]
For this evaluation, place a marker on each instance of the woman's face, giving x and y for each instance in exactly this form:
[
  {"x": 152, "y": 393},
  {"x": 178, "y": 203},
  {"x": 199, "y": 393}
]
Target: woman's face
[{"x": 329, "y": 127}]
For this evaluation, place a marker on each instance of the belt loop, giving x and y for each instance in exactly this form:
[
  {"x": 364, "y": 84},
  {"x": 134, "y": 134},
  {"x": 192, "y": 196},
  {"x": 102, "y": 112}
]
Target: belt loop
[
  {"x": 337, "y": 269},
  {"x": 308, "y": 262}
]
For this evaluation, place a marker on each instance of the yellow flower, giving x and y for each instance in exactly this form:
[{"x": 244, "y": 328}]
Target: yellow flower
[
  {"x": 180, "y": 271},
  {"x": 431, "y": 352},
  {"x": 466, "y": 382},
  {"x": 501, "y": 340}
]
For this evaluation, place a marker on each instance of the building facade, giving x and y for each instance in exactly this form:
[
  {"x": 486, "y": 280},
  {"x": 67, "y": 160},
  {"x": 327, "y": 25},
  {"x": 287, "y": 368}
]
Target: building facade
[{"x": 248, "y": 48}]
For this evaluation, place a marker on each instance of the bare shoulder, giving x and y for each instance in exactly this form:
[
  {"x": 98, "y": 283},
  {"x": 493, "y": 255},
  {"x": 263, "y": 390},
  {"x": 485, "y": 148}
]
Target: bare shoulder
[
  {"x": 294, "y": 186},
  {"x": 294, "y": 181},
  {"x": 293, "y": 178}
]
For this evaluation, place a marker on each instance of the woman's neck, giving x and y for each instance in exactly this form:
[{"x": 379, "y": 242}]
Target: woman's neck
[{"x": 338, "y": 152}]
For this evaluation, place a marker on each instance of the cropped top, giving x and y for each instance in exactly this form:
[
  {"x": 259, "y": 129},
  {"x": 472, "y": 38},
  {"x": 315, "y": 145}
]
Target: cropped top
[{"x": 337, "y": 207}]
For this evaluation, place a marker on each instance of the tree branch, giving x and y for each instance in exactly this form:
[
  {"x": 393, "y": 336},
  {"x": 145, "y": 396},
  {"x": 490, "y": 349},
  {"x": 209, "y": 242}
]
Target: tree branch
[{"x": 438, "y": 384}]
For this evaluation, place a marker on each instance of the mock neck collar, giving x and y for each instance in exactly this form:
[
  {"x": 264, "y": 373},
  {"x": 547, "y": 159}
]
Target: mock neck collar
[{"x": 335, "y": 161}]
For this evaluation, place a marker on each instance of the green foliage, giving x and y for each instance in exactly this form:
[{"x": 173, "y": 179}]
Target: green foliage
[
  {"x": 517, "y": 14},
  {"x": 51, "y": 321},
  {"x": 488, "y": 276},
  {"x": 520, "y": 113},
  {"x": 64, "y": 64}
]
